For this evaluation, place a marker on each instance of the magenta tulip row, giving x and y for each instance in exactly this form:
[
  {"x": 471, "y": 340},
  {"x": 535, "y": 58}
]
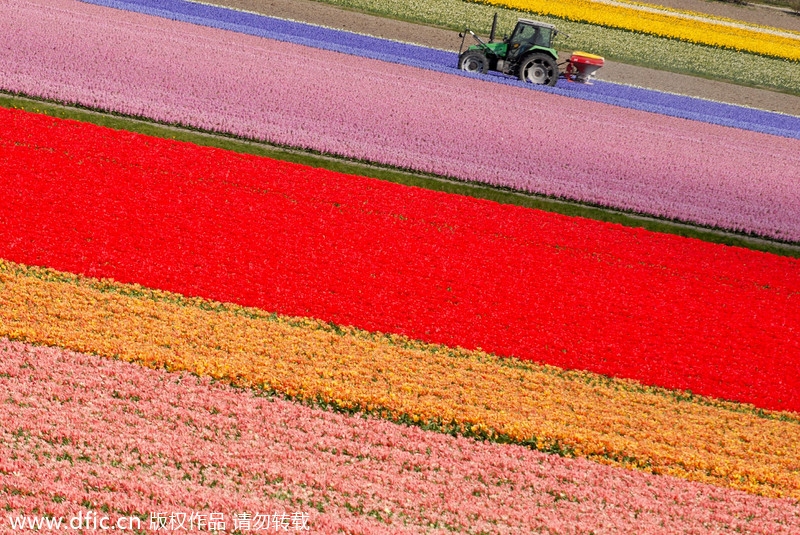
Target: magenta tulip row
[
  {"x": 403, "y": 116},
  {"x": 84, "y": 433}
]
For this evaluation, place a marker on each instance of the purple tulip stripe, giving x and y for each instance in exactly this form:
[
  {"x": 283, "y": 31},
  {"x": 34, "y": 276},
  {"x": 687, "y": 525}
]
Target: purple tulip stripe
[
  {"x": 284, "y": 93},
  {"x": 444, "y": 61}
]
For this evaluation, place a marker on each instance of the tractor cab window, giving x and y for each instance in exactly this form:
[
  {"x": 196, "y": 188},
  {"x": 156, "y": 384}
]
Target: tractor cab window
[
  {"x": 526, "y": 35},
  {"x": 544, "y": 37}
]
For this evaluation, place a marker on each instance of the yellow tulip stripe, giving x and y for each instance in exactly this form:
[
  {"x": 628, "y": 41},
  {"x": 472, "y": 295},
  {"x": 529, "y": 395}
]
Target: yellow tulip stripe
[
  {"x": 711, "y": 18},
  {"x": 662, "y": 24},
  {"x": 612, "y": 421}
]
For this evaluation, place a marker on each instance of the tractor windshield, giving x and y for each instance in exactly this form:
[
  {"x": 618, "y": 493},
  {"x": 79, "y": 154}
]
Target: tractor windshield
[{"x": 526, "y": 35}]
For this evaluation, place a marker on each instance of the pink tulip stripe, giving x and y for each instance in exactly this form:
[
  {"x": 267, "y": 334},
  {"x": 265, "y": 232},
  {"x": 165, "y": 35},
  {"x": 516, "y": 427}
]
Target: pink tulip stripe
[
  {"x": 81, "y": 432},
  {"x": 402, "y": 116}
]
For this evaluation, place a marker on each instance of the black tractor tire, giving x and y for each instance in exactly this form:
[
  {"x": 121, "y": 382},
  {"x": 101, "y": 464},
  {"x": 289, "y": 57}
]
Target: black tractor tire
[
  {"x": 474, "y": 61},
  {"x": 538, "y": 68}
]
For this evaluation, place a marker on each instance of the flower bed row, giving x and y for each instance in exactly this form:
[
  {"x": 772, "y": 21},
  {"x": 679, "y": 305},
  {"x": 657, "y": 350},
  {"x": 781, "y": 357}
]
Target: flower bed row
[
  {"x": 699, "y": 30},
  {"x": 617, "y": 45},
  {"x": 628, "y": 159},
  {"x": 445, "y": 61},
  {"x": 307, "y": 242},
  {"x": 127, "y": 441},
  {"x": 575, "y": 414},
  {"x": 651, "y": 6}
]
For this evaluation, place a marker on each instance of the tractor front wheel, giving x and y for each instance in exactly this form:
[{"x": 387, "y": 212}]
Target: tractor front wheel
[
  {"x": 538, "y": 68},
  {"x": 474, "y": 61}
]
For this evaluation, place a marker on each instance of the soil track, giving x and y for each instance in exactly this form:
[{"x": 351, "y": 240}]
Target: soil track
[{"x": 334, "y": 17}]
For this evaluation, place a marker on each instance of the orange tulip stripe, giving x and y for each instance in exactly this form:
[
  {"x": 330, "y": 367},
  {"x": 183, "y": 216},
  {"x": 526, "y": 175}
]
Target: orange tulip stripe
[{"x": 612, "y": 421}]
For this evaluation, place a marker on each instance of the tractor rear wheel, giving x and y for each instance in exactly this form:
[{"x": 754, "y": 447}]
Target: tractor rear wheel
[
  {"x": 538, "y": 68},
  {"x": 474, "y": 61}
]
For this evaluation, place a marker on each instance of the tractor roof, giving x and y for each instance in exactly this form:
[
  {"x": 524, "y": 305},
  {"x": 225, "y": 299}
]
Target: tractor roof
[{"x": 536, "y": 23}]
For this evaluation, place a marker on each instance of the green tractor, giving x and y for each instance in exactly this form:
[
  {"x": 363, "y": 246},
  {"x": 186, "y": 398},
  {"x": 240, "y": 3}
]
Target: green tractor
[{"x": 528, "y": 54}]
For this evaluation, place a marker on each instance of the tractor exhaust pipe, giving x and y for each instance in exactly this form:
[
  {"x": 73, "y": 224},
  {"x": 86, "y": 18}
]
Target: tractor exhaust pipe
[{"x": 494, "y": 28}]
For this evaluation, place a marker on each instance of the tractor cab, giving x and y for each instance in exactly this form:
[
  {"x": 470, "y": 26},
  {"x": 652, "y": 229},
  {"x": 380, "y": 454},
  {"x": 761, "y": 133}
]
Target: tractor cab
[{"x": 528, "y": 34}]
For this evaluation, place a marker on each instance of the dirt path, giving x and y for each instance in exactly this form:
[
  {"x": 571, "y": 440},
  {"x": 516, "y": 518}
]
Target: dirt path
[{"x": 326, "y": 15}]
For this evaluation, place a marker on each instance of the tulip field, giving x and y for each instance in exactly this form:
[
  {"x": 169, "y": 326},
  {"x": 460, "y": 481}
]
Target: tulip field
[{"x": 206, "y": 340}]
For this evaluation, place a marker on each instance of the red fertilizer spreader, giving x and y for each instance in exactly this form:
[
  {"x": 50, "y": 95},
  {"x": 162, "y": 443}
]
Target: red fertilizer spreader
[{"x": 582, "y": 67}]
